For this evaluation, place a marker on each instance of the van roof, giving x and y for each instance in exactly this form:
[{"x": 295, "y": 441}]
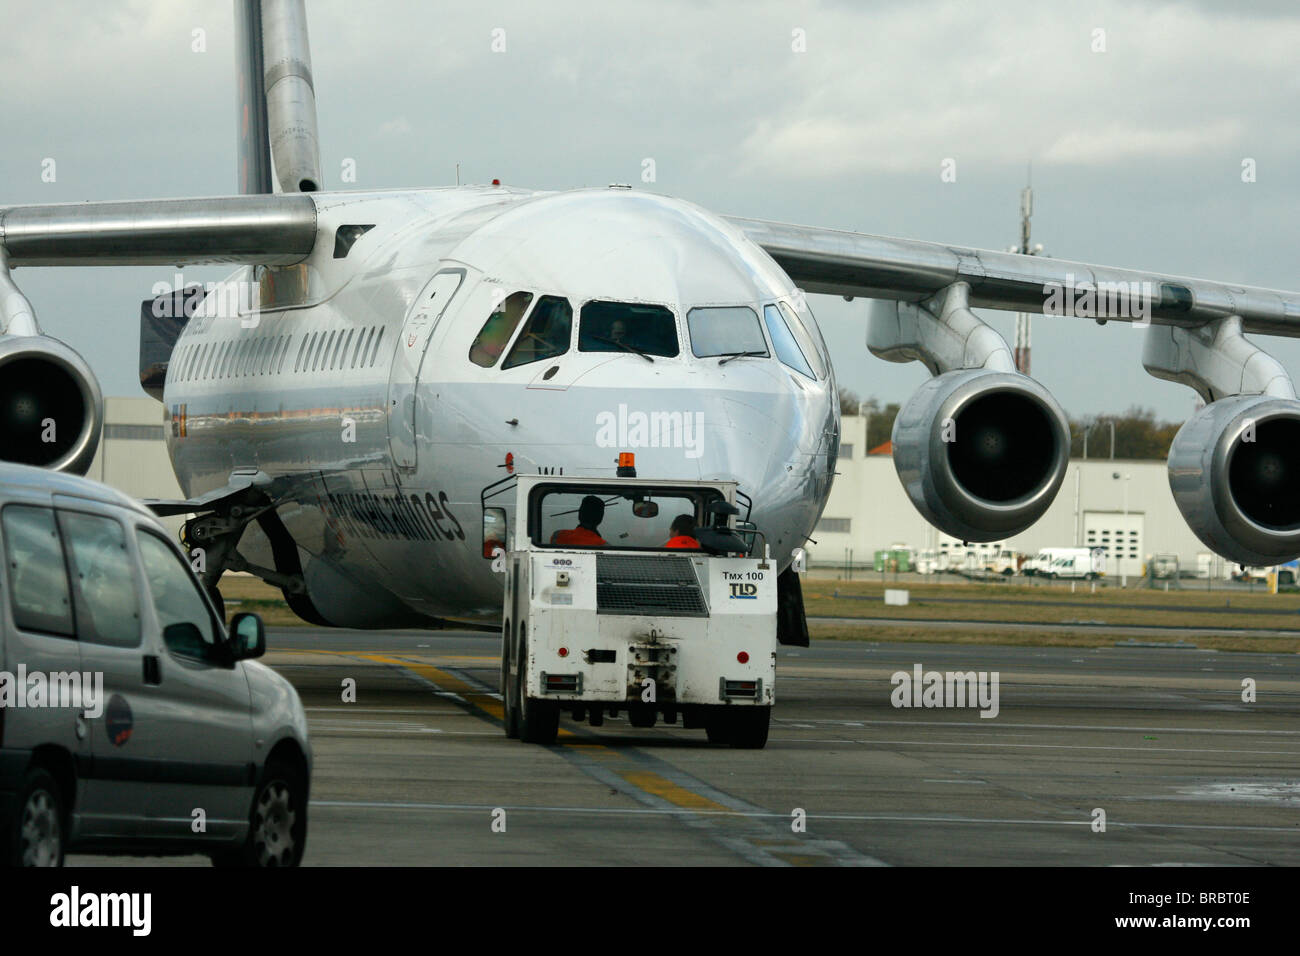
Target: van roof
[{"x": 13, "y": 476}]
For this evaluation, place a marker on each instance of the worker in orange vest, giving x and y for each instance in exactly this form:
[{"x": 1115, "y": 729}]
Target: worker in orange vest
[
  {"x": 683, "y": 533},
  {"x": 590, "y": 514}
]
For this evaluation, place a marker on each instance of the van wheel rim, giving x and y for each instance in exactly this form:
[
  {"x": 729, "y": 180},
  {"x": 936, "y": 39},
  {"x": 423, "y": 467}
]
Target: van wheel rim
[
  {"x": 273, "y": 823},
  {"x": 40, "y": 831}
]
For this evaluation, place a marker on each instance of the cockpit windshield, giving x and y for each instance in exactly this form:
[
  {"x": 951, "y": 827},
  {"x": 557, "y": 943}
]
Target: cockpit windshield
[
  {"x": 627, "y": 327},
  {"x": 492, "y": 339},
  {"x": 546, "y": 334},
  {"x": 729, "y": 331}
]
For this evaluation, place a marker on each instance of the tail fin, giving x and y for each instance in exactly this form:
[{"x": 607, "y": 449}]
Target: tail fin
[{"x": 278, "y": 144}]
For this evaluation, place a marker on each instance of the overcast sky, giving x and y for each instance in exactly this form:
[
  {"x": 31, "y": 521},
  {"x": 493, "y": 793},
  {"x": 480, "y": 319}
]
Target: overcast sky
[{"x": 1137, "y": 151}]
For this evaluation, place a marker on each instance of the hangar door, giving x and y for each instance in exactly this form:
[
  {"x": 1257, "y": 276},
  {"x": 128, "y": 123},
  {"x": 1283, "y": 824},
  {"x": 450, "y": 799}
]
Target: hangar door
[{"x": 1120, "y": 536}]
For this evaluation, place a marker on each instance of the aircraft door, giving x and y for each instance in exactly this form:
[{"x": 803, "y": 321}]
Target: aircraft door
[{"x": 403, "y": 396}]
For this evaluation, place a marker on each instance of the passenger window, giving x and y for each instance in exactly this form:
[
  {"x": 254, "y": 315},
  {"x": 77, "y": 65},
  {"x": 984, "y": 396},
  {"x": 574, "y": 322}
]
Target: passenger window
[
  {"x": 733, "y": 330},
  {"x": 177, "y": 601},
  {"x": 343, "y": 352},
  {"x": 108, "y": 611},
  {"x": 546, "y": 333},
  {"x": 625, "y": 327},
  {"x": 360, "y": 349},
  {"x": 38, "y": 578},
  {"x": 806, "y": 342},
  {"x": 783, "y": 340},
  {"x": 492, "y": 339}
]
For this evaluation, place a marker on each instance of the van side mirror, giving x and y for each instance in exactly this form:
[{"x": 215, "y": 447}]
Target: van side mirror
[{"x": 247, "y": 636}]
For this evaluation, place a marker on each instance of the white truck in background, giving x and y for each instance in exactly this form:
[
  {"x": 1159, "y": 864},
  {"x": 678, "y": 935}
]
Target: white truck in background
[{"x": 1072, "y": 563}]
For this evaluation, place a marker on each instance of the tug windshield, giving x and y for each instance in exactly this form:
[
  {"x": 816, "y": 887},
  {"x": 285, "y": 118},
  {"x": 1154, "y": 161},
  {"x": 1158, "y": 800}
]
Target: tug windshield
[{"x": 642, "y": 518}]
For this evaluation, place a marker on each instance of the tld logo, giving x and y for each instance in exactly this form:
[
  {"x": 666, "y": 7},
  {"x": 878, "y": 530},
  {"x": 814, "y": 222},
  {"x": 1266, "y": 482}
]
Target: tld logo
[{"x": 746, "y": 591}]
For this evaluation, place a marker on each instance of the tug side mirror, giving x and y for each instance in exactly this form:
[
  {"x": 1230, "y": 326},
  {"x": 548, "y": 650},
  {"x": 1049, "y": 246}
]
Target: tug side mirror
[{"x": 494, "y": 531}]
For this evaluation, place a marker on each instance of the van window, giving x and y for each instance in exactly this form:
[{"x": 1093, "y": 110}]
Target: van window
[
  {"x": 492, "y": 339},
  {"x": 177, "y": 600},
  {"x": 546, "y": 334},
  {"x": 108, "y": 611},
  {"x": 38, "y": 580}
]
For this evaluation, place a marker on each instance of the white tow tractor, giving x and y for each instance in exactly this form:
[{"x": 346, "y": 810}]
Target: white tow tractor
[{"x": 637, "y": 596}]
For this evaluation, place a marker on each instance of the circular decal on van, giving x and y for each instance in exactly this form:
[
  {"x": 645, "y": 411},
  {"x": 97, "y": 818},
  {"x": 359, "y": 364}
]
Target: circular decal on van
[{"x": 118, "y": 720}]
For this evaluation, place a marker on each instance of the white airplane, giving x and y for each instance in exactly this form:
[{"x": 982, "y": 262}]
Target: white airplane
[{"x": 339, "y": 405}]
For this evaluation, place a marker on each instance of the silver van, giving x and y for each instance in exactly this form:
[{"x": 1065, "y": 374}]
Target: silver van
[{"x": 131, "y": 721}]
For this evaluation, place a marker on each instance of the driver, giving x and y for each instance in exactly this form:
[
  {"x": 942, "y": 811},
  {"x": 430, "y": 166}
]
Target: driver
[
  {"x": 590, "y": 514},
  {"x": 682, "y": 533}
]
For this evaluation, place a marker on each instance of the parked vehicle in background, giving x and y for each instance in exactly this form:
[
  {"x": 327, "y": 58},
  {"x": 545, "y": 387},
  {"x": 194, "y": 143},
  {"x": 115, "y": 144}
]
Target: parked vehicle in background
[
  {"x": 1078, "y": 563},
  {"x": 1041, "y": 563}
]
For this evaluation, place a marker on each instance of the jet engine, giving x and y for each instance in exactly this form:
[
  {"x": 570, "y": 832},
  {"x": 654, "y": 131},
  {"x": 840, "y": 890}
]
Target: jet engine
[
  {"x": 1234, "y": 470},
  {"x": 981, "y": 453},
  {"x": 51, "y": 409}
]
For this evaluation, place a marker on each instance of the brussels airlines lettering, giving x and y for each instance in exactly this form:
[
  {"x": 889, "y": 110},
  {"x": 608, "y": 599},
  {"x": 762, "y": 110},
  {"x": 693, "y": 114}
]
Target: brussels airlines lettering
[{"x": 367, "y": 515}]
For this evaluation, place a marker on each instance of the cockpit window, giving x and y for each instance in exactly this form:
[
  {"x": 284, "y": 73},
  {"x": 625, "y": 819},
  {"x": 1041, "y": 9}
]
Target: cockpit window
[
  {"x": 806, "y": 342},
  {"x": 783, "y": 340},
  {"x": 545, "y": 335},
  {"x": 730, "y": 330},
  {"x": 625, "y": 327},
  {"x": 492, "y": 339}
]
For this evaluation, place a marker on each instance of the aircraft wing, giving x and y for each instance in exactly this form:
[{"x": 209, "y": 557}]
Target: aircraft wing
[
  {"x": 855, "y": 264},
  {"x": 254, "y": 229}
]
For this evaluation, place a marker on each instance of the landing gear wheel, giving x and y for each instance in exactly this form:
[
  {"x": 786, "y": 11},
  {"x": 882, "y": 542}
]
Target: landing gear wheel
[
  {"x": 539, "y": 720},
  {"x": 277, "y": 830},
  {"x": 509, "y": 695},
  {"x": 641, "y": 716},
  {"x": 36, "y": 835},
  {"x": 749, "y": 726}
]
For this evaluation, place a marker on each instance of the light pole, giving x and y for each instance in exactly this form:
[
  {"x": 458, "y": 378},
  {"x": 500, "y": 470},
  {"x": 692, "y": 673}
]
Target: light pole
[{"x": 1122, "y": 533}]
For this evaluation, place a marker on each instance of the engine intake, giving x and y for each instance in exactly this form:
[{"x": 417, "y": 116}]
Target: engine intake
[
  {"x": 1234, "y": 470},
  {"x": 51, "y": 409},
  {"x": 981, "y": 453}
]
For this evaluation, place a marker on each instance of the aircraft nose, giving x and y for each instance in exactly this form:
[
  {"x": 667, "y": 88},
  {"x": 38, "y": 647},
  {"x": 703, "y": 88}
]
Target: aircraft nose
[{"x": 765, "y": 447}]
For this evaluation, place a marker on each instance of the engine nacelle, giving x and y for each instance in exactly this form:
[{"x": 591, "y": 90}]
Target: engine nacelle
[
  {"x": 51, "y": 409},
  {"x": 981, "y": 453},
  {"x": 1234, "y": 469}
]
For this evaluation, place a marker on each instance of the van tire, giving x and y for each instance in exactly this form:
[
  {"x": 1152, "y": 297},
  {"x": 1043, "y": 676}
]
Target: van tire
[
  {"x": 273, "y": 840},
  {"x": 38, "y": 812}
]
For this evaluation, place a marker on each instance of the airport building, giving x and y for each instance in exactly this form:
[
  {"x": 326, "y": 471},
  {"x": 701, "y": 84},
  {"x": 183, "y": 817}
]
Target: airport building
[
  {"x": 1123, "y": 506},
  {"x": 132, "y": 454}
]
